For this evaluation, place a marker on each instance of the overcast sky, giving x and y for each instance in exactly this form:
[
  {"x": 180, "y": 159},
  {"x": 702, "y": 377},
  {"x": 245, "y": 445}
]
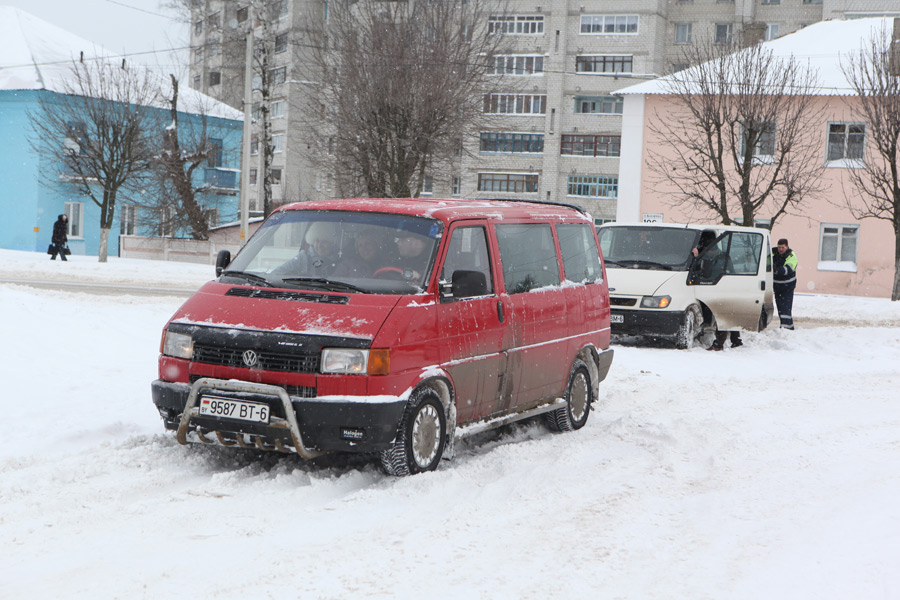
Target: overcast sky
[{"x": 139, "y": 27}]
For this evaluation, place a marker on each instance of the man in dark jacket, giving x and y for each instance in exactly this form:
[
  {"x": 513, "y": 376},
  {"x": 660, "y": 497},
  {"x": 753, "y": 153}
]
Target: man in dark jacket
[
  {"x": 785, "y": 276},
  {"x": 60, "y": 239}
]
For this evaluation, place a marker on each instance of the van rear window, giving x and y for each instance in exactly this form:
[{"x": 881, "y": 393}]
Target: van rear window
[
  {"x": 528, "y": 256},
  {"x": 581, "y": 260}
]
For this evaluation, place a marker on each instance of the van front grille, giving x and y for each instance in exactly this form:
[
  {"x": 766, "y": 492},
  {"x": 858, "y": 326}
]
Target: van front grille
[
  {"x": 298, "y": 391},
  {"x": 622, "y": 301},
  {"x": 266, "y": 360}
]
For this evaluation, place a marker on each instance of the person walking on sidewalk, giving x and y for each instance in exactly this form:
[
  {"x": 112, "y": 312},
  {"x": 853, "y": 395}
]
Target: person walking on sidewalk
[
  {"x": 60, "y": 239},
  {"x": 785, "y": 276}
]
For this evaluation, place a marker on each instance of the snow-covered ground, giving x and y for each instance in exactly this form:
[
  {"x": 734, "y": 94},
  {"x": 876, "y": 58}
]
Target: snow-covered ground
[{"x": 769, "y": 471}]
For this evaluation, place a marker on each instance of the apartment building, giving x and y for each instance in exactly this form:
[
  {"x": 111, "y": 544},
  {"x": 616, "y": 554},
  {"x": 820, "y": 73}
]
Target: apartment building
[{"x": 555, "y": 128}]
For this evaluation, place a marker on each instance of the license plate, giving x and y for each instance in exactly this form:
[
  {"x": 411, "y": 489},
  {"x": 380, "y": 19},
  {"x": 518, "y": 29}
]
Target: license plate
[
  {"x": 216, "y": 406},
  {"x": 614, "y": 318}
]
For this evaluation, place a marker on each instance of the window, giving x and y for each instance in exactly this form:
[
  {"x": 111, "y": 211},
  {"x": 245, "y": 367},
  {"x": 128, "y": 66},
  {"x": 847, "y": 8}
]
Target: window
[
  {"x": 515, "y": 104},
  {"x": 528, "y": 256},
  {"x": 595, "y": 63},
  {"x": 278, "y": 8},
  {"x": 518, "y": 64},
  {"x": 846, "y": 143},
  {"x": 212, "y": 216},
  {"x": 762, "y": 135},
  {"x": 609, "y": 24},
  {"x": 198, "y": 27},
  {"x": 276, "y": 109},
  {"x": 253, "y": 173},
  {"x": 590, "y": 145},
  {"x": 214, "y": 153},
  {"x": 198, "y": 54},
  {"x": 507, "y": 182},
  {"x": 770, "y": 2},
  {"x": 771, "y": 31},
  {"x": 812, "y": 1},
  {"x": 837, "y": 247},
  {"x": 468, "y": 251},
  {"x": 197, "y": 82},
  {"x": 592, "y": 186},
  {"x": 214, "y": 20},
  {"x": 603, "y": 105},
  {"x": 516, "y": 25},
  {"x": 215, "y": 78},
  {"x": 281, "y": 42},
  {"x": 127, "y": 219},
  {"x": 275, "y": 176},
  {"x": 254, "y": 144},
  {"x": 75, "y": 214},
  {"x": 683, "y": 33},
  {"x": 278, "y": 75},
  {"x": 581, "y": 261},
  {"x": 242, "y": 14},
  {"x": 724, "y": 32},
  {"x": 277, "y": 143},
  {"x": 512, "y": 143},
  {"x": 166, "y": 226},
  {"x": 456, "y": 186},
  {"x": 428, "y": 185},
  {"x": 676, "y": 67},
  {"x": 212, "y": 49}
]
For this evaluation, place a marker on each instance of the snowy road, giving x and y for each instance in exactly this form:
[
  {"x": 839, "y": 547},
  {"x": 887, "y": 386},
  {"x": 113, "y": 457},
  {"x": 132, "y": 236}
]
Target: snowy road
[{"x": 764, "y": 472}]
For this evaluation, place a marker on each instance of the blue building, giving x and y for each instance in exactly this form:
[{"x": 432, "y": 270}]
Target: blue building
[{"x": 34, "y": 57}]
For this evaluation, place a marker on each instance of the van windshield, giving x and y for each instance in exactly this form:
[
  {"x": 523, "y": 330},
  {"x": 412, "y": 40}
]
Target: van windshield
[
  {"x": 642, "y": 247},
  {"x": 339, "y": 251}
]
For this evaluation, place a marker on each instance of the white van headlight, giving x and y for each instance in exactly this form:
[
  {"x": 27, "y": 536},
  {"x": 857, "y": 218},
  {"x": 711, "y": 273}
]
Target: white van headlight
[
  {"x": 655, "y": 301},
  {"x": 179, "y": 345},
  {"x": 344, "y": 360}
]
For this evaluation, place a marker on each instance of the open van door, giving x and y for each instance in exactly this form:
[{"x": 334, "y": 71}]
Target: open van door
[{"x": 730, "y": 278}]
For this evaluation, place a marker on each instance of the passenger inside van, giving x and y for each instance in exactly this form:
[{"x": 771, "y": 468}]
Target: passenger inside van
[
  {"x": 366, "y": 257},
  {"x": 319, "y": 257}
]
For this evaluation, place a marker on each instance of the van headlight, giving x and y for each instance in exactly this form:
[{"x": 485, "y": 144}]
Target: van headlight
[
  {"x": 351, "y": 361},
  {"x": 655, "y": 301},
  {"x": 179, "y": 345}
]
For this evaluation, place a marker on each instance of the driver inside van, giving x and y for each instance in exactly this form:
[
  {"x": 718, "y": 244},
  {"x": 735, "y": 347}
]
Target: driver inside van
[{"x": 319, "y": 256}]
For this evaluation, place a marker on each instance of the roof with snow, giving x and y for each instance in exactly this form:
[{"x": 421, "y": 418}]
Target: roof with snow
[
  {"x": 37, "y": 55},
  {"x": 824, "y": 46}
]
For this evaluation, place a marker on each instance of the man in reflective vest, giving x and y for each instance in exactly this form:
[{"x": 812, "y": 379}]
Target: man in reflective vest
[{"x": 785, "y": 276}]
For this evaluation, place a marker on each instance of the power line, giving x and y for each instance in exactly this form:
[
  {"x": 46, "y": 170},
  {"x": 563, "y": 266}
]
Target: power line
[{"x": 144, "y": 10}]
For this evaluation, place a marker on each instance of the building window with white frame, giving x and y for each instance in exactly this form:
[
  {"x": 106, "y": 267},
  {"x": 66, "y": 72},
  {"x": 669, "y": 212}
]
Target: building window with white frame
[
  {"x": 515, "y": 104},
  {"x": 456, "y": 185},
  {"x": 600, "y": 63},
  {"x": 837, "y": 247},
  {"x": 252, "y": 179},
  {"x": 278, "y": 75},
  {"x": 128, "y": 220},
  {"x": 276, "y": 109},
  {"x": 428, "y": 186},
  {"x": 507, "y": 182},
  {"x": 508, "y": 142},
  {"x": 846, "y": 144},
  {"x": 764, "y": 148},
  {"x": 724, "y": 33},
  {"x": 254, "y": 144},
  {"x": 275, "y": 175},
  {"x": 516, "y": 24},
  {"x": 75, "y": 214},
  {"x": 771, "y": 31},
  {"x": 683, "y": 33},
  {"x": 592, "y": 186},
  {"x": 518, "y": 65},
  {"x": 609, "y": 24},
  {"x": 278, "y": 143},
  {"x": 598, "y": 105}
]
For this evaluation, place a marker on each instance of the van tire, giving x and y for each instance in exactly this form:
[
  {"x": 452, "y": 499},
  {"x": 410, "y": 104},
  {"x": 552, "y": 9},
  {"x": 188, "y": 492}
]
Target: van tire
[
  {"x": 689, "y": 328},
  {"x": 763, "y": 321},
  {"x": 421, "y": 437},
  {"x": 579, "y": 396}
]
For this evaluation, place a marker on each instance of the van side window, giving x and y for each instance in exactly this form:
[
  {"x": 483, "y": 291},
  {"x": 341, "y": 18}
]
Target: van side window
[
  {"x": 528, "y": 256},
  {"x": 467, "y": 252},
  {"x": 581, "y": 260},
  {"x": 745, "y": 253}
]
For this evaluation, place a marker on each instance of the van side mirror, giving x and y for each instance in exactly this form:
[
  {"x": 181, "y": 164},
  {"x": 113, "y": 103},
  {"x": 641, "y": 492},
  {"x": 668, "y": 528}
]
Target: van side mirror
[
  {"x": 467, "y": 284},
  {"x": 223, "y": 259}
]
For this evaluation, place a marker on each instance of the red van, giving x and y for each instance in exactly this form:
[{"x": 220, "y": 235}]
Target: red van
[{"x": 391, "y": 326}]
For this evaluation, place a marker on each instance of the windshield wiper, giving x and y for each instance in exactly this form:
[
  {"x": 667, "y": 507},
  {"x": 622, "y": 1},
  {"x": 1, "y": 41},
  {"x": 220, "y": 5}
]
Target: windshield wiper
[
  {"x": 251, "y": 277},
  {"x": 649, "y": 263},
  {"x": 328, "y": 284}
]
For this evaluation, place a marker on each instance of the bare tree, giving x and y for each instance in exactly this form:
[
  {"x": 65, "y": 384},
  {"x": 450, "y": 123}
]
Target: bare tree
[
  {"x": 873, "y": 75},
  {"x": 397, "y": 86},
  {"x": 96, "y": 130},
  {"x": 738, "y": 141}
]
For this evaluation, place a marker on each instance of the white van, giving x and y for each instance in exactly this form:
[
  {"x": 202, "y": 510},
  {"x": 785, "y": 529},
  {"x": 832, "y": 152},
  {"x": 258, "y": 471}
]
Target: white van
[{"x": 659, "y": 289}]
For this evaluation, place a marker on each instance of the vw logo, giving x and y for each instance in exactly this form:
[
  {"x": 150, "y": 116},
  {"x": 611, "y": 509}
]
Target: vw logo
[{"x": 250, "y": 357}]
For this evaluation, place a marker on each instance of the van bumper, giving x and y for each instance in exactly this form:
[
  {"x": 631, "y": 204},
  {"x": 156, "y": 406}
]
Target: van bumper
[
  {"x": 646, "y": 322},
  {"x": 332, "y": 425}
]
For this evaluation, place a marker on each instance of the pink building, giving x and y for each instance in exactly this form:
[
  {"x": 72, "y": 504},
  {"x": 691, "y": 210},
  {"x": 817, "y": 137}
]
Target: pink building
[{"x": 837, "y": 253}]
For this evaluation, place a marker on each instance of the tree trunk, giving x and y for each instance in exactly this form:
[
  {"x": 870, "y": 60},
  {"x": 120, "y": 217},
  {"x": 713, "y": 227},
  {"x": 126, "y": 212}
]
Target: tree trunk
[
  {"x": 895, "y": 292},
  {"x": 104, "y": 245}
]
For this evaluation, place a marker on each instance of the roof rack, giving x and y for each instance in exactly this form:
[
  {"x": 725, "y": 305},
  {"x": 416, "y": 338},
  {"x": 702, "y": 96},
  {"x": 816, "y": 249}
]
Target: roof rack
[{"x": 544, "y": 202}]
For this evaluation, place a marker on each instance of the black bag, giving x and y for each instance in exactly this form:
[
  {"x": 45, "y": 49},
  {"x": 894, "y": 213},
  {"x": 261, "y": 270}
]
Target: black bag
[
  {"x": 50, "y": 249},
  {"x": 65, "y": 250}
]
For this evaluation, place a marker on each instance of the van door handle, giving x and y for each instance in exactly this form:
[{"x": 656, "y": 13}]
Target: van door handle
[
  {"x": 762, "y": 285},
  {"x": 500, "y": 310}
]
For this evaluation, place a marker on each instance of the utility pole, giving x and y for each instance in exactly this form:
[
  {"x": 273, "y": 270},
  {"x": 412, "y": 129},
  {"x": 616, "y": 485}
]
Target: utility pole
[{"x": 244, "y": 205}]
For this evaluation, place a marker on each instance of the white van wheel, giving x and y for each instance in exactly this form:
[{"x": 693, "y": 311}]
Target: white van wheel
[
  {"x": 689, "y": 329},
  {"x": 579, "y": 396},
  {"x": 420, "y": 438}
]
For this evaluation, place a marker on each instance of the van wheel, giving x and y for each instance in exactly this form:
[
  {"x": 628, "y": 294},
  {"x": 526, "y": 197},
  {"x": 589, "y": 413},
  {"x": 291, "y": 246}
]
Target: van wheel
[
  {"x": 420, "y": 438},
  {"x": 689, "y": 329},
  {"x": 763, "y": 321},
  {"x": 579, "y": 396}
]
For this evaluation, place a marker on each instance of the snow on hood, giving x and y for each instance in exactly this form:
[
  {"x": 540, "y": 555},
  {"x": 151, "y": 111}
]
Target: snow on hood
[
  {"x": 360, "y": 318},
  {"x": 37, "y": 55}
]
